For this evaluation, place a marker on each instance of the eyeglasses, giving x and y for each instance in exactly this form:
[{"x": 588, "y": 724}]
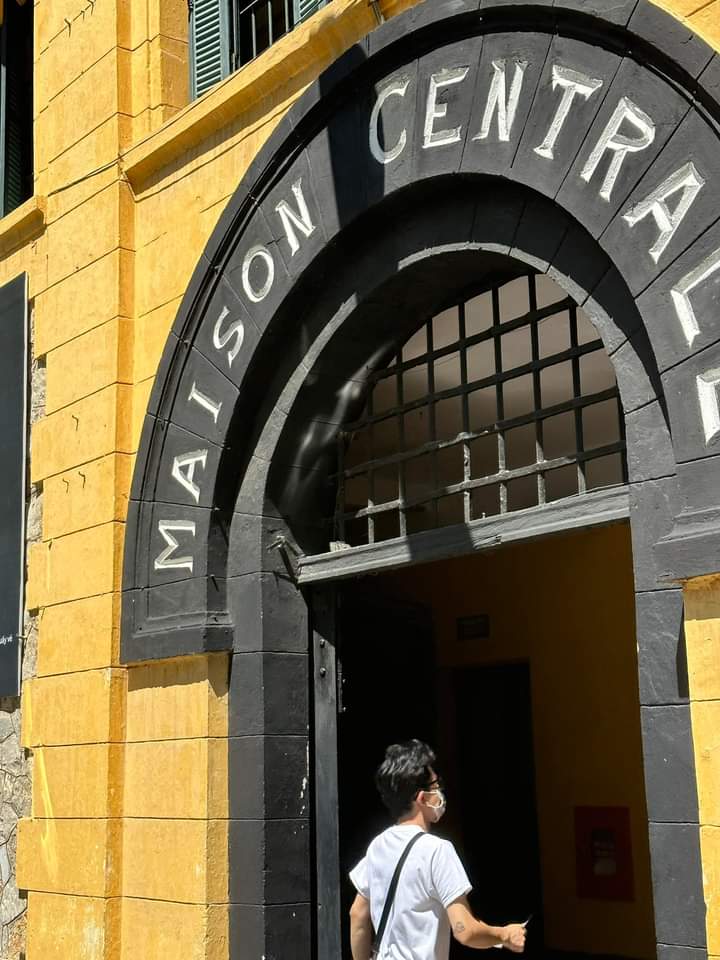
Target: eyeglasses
[{"x": 437, "y": 784}]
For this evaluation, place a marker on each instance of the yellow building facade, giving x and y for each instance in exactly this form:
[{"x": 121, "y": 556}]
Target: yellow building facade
[{"x": 125, "y": 852}]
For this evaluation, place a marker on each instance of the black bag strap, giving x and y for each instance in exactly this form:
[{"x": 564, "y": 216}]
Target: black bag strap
[{"x": 391, "y": 892}]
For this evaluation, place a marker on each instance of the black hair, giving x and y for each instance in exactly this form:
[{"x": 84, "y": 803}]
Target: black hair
[{"x": 405, "y": 771}]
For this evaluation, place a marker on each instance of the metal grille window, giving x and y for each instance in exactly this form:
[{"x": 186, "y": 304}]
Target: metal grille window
[{"x": 503, "y": 402}]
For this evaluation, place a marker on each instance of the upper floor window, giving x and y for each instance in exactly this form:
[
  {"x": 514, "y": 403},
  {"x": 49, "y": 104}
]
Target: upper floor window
[
  {"x": 16, "y": 103},
  {"x": 225, "y": 34}
]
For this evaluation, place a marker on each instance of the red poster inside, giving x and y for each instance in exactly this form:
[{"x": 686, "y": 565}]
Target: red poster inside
[{"x": 603, "y": 850}]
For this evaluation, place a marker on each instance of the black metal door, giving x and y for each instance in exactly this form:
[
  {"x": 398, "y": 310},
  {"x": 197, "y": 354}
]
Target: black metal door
[
  {"x": 374, "y": 684},
  {"x": 325, "y": 688}
]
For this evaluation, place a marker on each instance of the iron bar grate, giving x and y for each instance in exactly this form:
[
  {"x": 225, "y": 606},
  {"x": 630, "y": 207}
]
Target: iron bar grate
[{"x": 503, "y": 402}]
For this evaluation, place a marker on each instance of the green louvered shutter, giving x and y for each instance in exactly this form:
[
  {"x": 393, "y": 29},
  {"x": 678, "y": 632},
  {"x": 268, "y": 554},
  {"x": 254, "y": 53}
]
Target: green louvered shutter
[
  {"x": 16, "y": 176},
  {"x": 306, "y": 8},
  {"x": 209, "y": 44},
  {"x": 14, "y": 185}
]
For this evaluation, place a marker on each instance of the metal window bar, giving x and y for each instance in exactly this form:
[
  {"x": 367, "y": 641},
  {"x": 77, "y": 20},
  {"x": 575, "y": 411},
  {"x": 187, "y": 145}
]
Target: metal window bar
[
  {"x": 503, "y": 476},
  {"x": 340, "y": 517},
  {"x": 467, "y": 464},
  {"x": 623, "y": 439},
  {"x": 432, "y": 411},
  {"x": 577, "y": 390},
  {"x": 401, "y": 439},
  {"x": 256, "y": 26},
  {"x": 371, "y": 474},
  {"x": 537, "y": 396},
  {"x": 499, "y": 396}
]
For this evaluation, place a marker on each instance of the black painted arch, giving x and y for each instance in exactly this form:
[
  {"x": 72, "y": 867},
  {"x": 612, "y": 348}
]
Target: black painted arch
[{"x": 309, "y": 346}]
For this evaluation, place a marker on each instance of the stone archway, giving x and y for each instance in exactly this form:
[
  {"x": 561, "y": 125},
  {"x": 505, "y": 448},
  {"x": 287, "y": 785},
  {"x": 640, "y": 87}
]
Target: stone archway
[{"x": 581, "y": 143}]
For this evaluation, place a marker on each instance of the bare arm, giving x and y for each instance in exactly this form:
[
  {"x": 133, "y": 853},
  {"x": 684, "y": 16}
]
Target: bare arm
[
  {"x": 361, "y": 934},
  {"x": 480, "y": 936}
]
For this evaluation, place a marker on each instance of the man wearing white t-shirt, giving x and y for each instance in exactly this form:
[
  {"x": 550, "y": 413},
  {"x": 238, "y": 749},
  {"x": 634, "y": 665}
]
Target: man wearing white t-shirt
[{"x": 431, "y": 896}]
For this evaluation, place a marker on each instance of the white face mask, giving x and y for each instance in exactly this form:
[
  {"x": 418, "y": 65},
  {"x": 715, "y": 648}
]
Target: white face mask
[{"x": 439, "y": 808}]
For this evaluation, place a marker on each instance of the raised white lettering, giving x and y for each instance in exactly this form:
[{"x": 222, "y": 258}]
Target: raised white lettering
[
  {"x": 498, "y": 100},
  {"x": 165, "y": 559},
  {"x": 292, "y": 220},
  {"x": 183, "y": 470},
  {"x": 205, "y": 402},
  {"x": 258, "y": 253},
  {"x": 619, "y": 144},
  {"x": 707, "y": 387},
  {"x": 686, "y": 179},
  {"x": 397, "y": 88},
  {"x": 436, "y": 111},
  {"x": 572, "y": 83},
  {"x": 221, "y": 340},
  {"x": 680, "y": 294}
]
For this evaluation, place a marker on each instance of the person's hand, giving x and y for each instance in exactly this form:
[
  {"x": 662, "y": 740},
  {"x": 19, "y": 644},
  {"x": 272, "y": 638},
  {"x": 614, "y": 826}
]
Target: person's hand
[{"x": 514, "y": 937}]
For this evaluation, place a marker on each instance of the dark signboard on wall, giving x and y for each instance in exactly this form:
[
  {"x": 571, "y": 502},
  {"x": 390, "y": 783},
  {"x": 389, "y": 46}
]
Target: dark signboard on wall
[{"x": 13, "y": 433}]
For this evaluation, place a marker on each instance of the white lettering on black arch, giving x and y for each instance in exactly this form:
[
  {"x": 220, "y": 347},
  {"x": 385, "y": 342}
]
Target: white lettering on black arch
[
  {"x": 437, "y": 111},
  {"x": 686, "y": 179},
  {"x": 501, "y": 102},
  {"x": 292, "y": 220},
  {"x": 628, "y": 130},
  {"x": 235, "y": 331},
  {"x": 680, "y": 294},
  {"x": 213, "y": 408},
  {"x": 396, "y": 88},
  {"x": 261, "y": 253},
  {"x": 572, "y": 83},
  {"x": 183, "y": 470},
  {"x": 619, "y": 144},
  {"x": 707, "y": 387},
  {"x": 166, "y": 559}
]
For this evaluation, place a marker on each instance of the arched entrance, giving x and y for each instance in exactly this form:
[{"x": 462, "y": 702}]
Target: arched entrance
[{"x": 449, "y": 147}]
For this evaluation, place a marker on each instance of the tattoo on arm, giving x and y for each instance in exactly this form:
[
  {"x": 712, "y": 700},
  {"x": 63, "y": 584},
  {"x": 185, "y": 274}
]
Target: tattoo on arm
[{"x": 459, "y": 927}]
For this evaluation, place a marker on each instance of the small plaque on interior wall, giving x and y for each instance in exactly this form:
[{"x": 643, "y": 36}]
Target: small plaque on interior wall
[
  {"x": 476, "y": 627},
  {"x": 603, "y": 852}
]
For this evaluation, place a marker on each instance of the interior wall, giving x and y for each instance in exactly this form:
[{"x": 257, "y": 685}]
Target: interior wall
[{"x": 566, "y": 605}]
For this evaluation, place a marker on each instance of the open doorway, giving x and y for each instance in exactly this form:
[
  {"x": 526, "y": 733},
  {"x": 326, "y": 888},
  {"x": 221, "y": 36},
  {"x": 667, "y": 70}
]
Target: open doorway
[{"x": 519, "y": 667}]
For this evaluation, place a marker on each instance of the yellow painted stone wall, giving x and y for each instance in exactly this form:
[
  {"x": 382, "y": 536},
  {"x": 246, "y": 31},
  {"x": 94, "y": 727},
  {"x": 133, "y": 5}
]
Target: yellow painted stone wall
[
  {"x": 702, "y": 632},
  {"x": 130, "y": 780}
]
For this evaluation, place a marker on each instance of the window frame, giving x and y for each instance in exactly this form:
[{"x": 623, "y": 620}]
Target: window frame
[{"x": 224, "y": 34}]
